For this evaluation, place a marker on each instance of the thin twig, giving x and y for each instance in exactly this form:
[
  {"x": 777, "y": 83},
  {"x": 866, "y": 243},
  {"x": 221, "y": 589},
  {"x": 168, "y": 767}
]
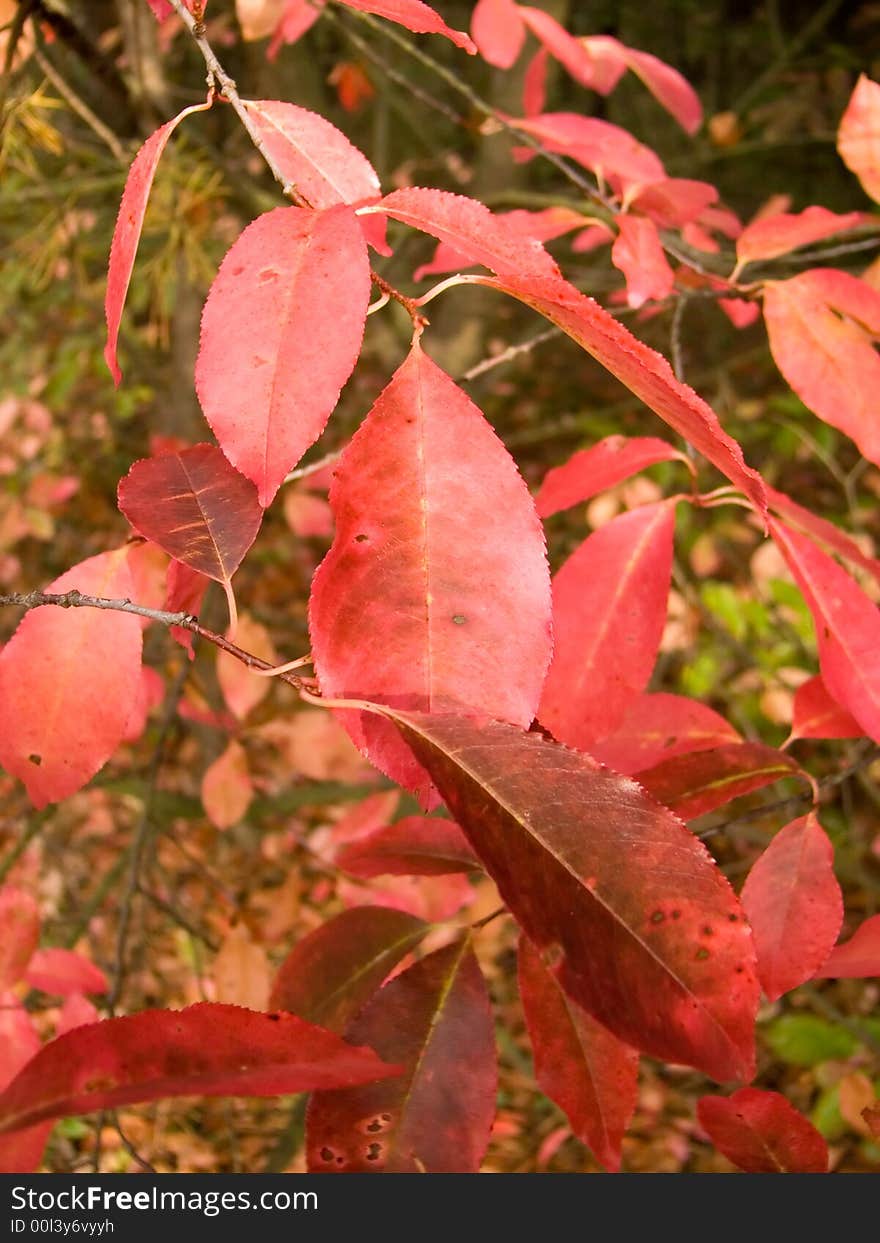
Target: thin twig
[
  {"x": 506, "y": 356},
  {"x": 675, "y": 338},
  {"x": 80, "y": 107}
]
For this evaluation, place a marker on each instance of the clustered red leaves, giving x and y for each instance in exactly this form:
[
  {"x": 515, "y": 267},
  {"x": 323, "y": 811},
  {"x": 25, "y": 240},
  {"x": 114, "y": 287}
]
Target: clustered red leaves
[{"x": 435, "y": 634}]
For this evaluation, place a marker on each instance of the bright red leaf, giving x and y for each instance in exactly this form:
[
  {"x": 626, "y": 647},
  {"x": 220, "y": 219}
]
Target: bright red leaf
[
  {"x": 822, "y": 325},
  {"x": 605, "y": 149},
  {"x": 498, "y": 31},
  {"x": 604, "y": 465},
  {"x": 184, "y": 591},
  {"x": 19, "y": 1042},
  {"x": 62, "y": 972},
  {"x": 298, "y": 17},
  {"x": 847, "y": 627},
  {"x": 674, "y": 202},
  {"x": 856, "y": 958},
  {"x": 595, "y": 73},
  {"x": 281, "y": 332},
  {"x": 473, "y": 232},
  {"x": 69, "y": 683},
  {"x": 638, "y": 253},
  {"x": 763, "y": 1133},
  {"x": 609, "y": 610},
  {"x": 794, "y": 904},
  {"x": 642, "y": 928},
  {"x": 702, "y": 781},
  {"x": 590, "y": 1074},
  {"x": 314, "y": 156},
  {"x": 817, "y": 715},
  {"x": 769, "y": 236},
  {"x": 669, "y": 88},
  {"x": 827, "y": 533},
  {"x": 543, "y": 226},
  {"x": 535, "y": 83},
  {"x": 19, "y": 933},
  {"x": 858, "y": 138},
  {"x": 435, "y": 594},
  {"x": 414, "y": 846},
  {"x": 641, "y": 369},
  {"x": 330, "y": 975},
  {"x": 435, "y": 1020},
  {"x": 196, "y": 506},
  {"x": 206, "y": 1050},
  {"x": 657, "y": 727},
  {"x": 415, "y": 16},
  {"x": 127, "y": 233}
]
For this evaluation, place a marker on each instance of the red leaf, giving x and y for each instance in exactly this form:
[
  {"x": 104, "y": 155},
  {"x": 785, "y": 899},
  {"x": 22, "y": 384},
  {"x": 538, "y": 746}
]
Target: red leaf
[
  {"x": 817, "y": 715},
  {"x": 298, "y": 17},
  {"x": 822, "y": 530},
  {"x": 607, "y": 150},
  {"x": 657, "y": 727},
  {"x": 769, "y": 236},
  {"x": 69, "y": 682},
  {"x": 435, "y": 1020},
  {"x": 856, "y": 958},
  {"x": 473, "y": 231},
  {"x": 641, "y": 369},
  {"x": 414, "y": 846},
  {"x": 590, "y": 1074},
  {"x": 697, "y": 783},
  {"x": 645, "y": 932},
  {"x": 847, "y": 627},
  {"x": 498, "y": 31},
  {"x": 674, "y": 202},
  {"x": 415, "y": 16},
  {"x": 77, "y": 1011},
  {"x": 19, "y": 1042},
  {"x": 543, "y": 226},
  {"x": 330, "y": 975},
  {"x": 19, "y": 933},
  {"x": 820, "y": 325},
  {"x": 858, "y": 138},
  {"x": 638, "y": 253},
  {"x": 435, "y": 594},
  {"x": 794, "y": 904},
  {"x": 313, "y": 155},
  {"x": 762, "y": 1133},
  {"x": 205, "y": 1050},
  {"x": 281, "y": 332},
  {"x": 596, "y": 73},
  {"x": 602, "y": 466},
  {"x": 669, "y": 88},
  {"x": 535, "y": 83},
  {"x": 63, "y": 972},
  {"x": 195, "y": 506},
  {"x": 127, "y": 233},
  {"x": 609, "y": 610},
  {"x": 227, "y": 788},
  {"x": 161, "y": 9},
  {"x": 184, "y": 591}
]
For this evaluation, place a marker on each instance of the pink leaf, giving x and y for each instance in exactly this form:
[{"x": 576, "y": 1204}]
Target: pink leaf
[
  {"x": 543, "y": 226},
  {"x": 858, "y": 138},
  {"x": 195, "y": 506},
  {"x": 590, "y": 1074},
  {"x": 470, "y": 229},
  {"x": 281, "y": 332},
  {"x": 414, "y": 846},
  {"x": 597, "y": 73},
  {"x": 762, "y": 1133},
  {"x": 498, "y": 31},
  {"x": 436, "y": 1021},
  {"x": 641, "y": 369},
  {"x": 19, "y": 933},
  {"x": 821, "y": 326},
  {"x": 821, "y": 529},
  {"x": 856, "y": 958},
  {"x": 435, "y": 593},
  {"x": 607, "y": 150},
  {"x": 330, "y": 975},
  {"x": 313, "y": 155},
  {"x": 205, "y": 1050},
  {"x": 638, "y": 253},
  {"x": 657, "y": 727},
  {"x": 794, "y": 904},
  {"x": 77, "y": 1011},
  {"x": 63, "y": 972},
  {"x": 227, "y": 789},
  {"x": 535, "y": 83},
  {"x": 19, "y": 1042},
  {"x": 669, "y": 88},
  {"x": 415, "y": 16},
  {"x": 817, "y": 715},
  {"x": 298, "y": 17},
  {"x": 770, "y": 236},
  {"x": 674, "y": 202},
  {"x": 609, "y": 610},
  {"x": 127, "y": 233},
  {"x": 69, "y": 682},
  {"x": 847, "y": 627},
  {"x": 699, "y": 782}
]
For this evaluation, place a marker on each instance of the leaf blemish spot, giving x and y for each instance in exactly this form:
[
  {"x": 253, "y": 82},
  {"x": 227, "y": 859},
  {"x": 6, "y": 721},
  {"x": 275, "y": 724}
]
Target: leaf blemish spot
[
  {"x": 35, "y": 759},
  {"x": 360, "y": 539},
  {"x": 374, "y": 1152},
  {"x": 702, "y": 954},
  {"x": 657, "y": 917},
  {"x": 459, "y": 619},
  {"x": 327, "y": 1154}
]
